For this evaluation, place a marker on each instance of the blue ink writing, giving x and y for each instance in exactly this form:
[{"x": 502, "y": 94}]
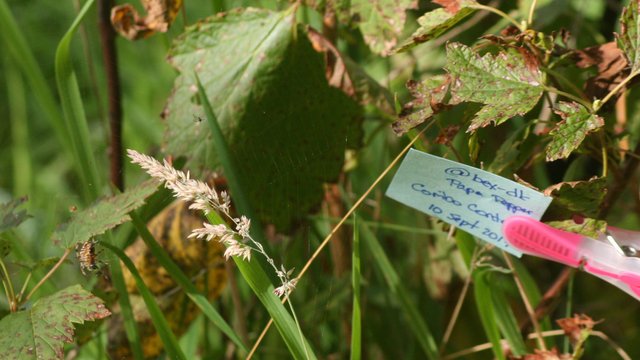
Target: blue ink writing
[
  {"x": 513, "y": 208},
  {"x": 495, "y": 217},
  {"x": 421, "y": 188},
  {"x": 461, "y": 186}
]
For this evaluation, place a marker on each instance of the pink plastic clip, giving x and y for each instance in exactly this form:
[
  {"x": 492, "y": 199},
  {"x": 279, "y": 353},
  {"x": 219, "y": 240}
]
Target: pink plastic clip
[{"x": 612, "y": 257}]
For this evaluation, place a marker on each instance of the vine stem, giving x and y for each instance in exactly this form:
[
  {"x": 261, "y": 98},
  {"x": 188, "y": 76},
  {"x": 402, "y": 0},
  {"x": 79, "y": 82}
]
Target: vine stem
[
  {"x": 597, "y": 106},
  {"x": 498, "y": 12},
  {"x": 48, "y": 275},
  {"x": 337, "y": 226}
]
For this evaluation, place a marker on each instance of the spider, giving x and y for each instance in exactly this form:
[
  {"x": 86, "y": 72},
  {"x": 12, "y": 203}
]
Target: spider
[{"x": 87, "y": 256}]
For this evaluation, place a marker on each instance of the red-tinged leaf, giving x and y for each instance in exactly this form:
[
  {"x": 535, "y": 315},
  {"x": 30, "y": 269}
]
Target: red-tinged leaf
[
  {"x": 576, "y": 197},
  {"x": 611, "y": 64},
  {"x": 509, "y": 83},
  {"x": 629, "y": 39},
  {"x": 428, "y": 97},
  {"x": 447, "y": 134},
  {"x": 9, "y": 217},
  {"x": 569, "y": 133},
  {"x": 437, "y": 22},
  {"x": 578, "y": 328},
  {"x": 103, "y": 215},
  {"x": 41, "y": 331},
  {"x": 592, "y": 228},
  {"x": 381, "y": 22}
]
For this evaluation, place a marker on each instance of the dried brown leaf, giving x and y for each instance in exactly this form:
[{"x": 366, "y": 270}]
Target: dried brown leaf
[
  {"x": 160, "y": 15},
  {"x": 611, "y": 64},
  {"x": 578, "y": 327}
]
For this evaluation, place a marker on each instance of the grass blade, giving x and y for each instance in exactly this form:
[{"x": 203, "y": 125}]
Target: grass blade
[
  {"x": 507, "y": 322},
  {"x": 414, "y": 318},
  {"x": 184, "y": 282},
  {"x": 484, "y": 302},
  {"x": 21, "y": 55},
  {"x": 356, "y": 326},
  {"x": 259, "y": 282},
  {"x": 169, "y": 340},
  {"x": 74, "y": 115}
]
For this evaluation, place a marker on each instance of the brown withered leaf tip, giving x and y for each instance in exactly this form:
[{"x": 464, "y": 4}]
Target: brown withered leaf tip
[
  {"x": 160, "y": 15},
  {"x": 336, "y": 70},
  {"x": 452, "y": 6},
  {"x": 611, "y": 64},
  {"x": 577, "y": 327}
]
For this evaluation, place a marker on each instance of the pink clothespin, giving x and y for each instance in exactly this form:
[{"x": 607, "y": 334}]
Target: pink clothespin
[{"x": 612, "y": 257}]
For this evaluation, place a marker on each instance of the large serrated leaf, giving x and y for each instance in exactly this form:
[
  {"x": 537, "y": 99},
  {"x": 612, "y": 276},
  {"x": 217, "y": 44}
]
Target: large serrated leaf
[
  {"x": 103, "y": 215},
  {"x": 284, "y": 124},
  {"x": 569, "y": 133},
  {"x": 629, "y": 39},
  {"x": 9, "y": 217},
  {"x": 435, "y": 23},
  {"x": 381, "y": 22},
  {"x": 509, "y": 83},
  {"x": 41, "y": 331},
  {"x": 576, "y": 197}
]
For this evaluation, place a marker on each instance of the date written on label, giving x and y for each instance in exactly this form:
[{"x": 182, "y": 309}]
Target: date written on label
[{"x": 473, "y": 200}]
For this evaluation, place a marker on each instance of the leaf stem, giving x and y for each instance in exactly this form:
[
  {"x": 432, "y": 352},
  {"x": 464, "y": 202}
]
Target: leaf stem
[
  {"x": 571, "y": 96},
  {"x": 48, "y": 275},
  {"x": 24, "y": 286},
  {"x": 498, "y": 12},
  {"x": 604, "y": 154},
  {"x": 597, "y": 105},
  {"x": 8, "y": 288},
  {"x": 531, "y": 10}
]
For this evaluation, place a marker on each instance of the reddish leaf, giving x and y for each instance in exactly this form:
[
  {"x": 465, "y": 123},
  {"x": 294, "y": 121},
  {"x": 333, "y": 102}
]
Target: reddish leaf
[
  {"x": 577, "y": 328},
  {"x": 611, "y": 65}
]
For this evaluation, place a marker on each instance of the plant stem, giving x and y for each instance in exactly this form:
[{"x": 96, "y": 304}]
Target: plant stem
[
  {"x": 614, "y": 91},
  {"x": 527, "y": 304},
  {"x": 531, "y": 10},
  {"x": 110, "y": 58},
  {"x": 24, "y": 286},
  {"x": 571, "y": 96},
  {"x": 498, "y": 12},
  {"x": 48, "y": 275},
  {"x": 8, "y": 288}
]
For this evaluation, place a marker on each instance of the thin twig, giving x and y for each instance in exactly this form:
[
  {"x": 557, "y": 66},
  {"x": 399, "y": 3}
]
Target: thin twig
[
  {"x": 110, "y": 58},
  {"x": 525, "y": 300},
  {"x": 337, "y": 226},
  {"x": 48, "y": 275},
  {"x": 458, "y": 307},
  {"x": 486, "y": 346},
  {"x": 531, "y": 10}
]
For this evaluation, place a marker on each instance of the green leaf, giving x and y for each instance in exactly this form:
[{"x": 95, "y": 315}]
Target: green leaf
[
  {"x": 283, "y": 132},
  {"x": 588, "y": 227},
  {"x": 9, "y": 217},
  {"x": 104, "y": 215},
  {"x": 509, "y": 83},
  {"x": 381, "y": 22},
  {"x": 73, "y": 109},
  {"x": 507, "y": 322},
  {"x": 484, "y": 302},
  {"x": 427, "y": 95},
  {"x": 435, "y": 23},
  {"x": 5, "y": 247},
  {"x": 569, "y": 133},
  {"x": 629, "y": 39},
  {"x": 39, "y": 333},
  {"x": 576, "y": 197}
]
